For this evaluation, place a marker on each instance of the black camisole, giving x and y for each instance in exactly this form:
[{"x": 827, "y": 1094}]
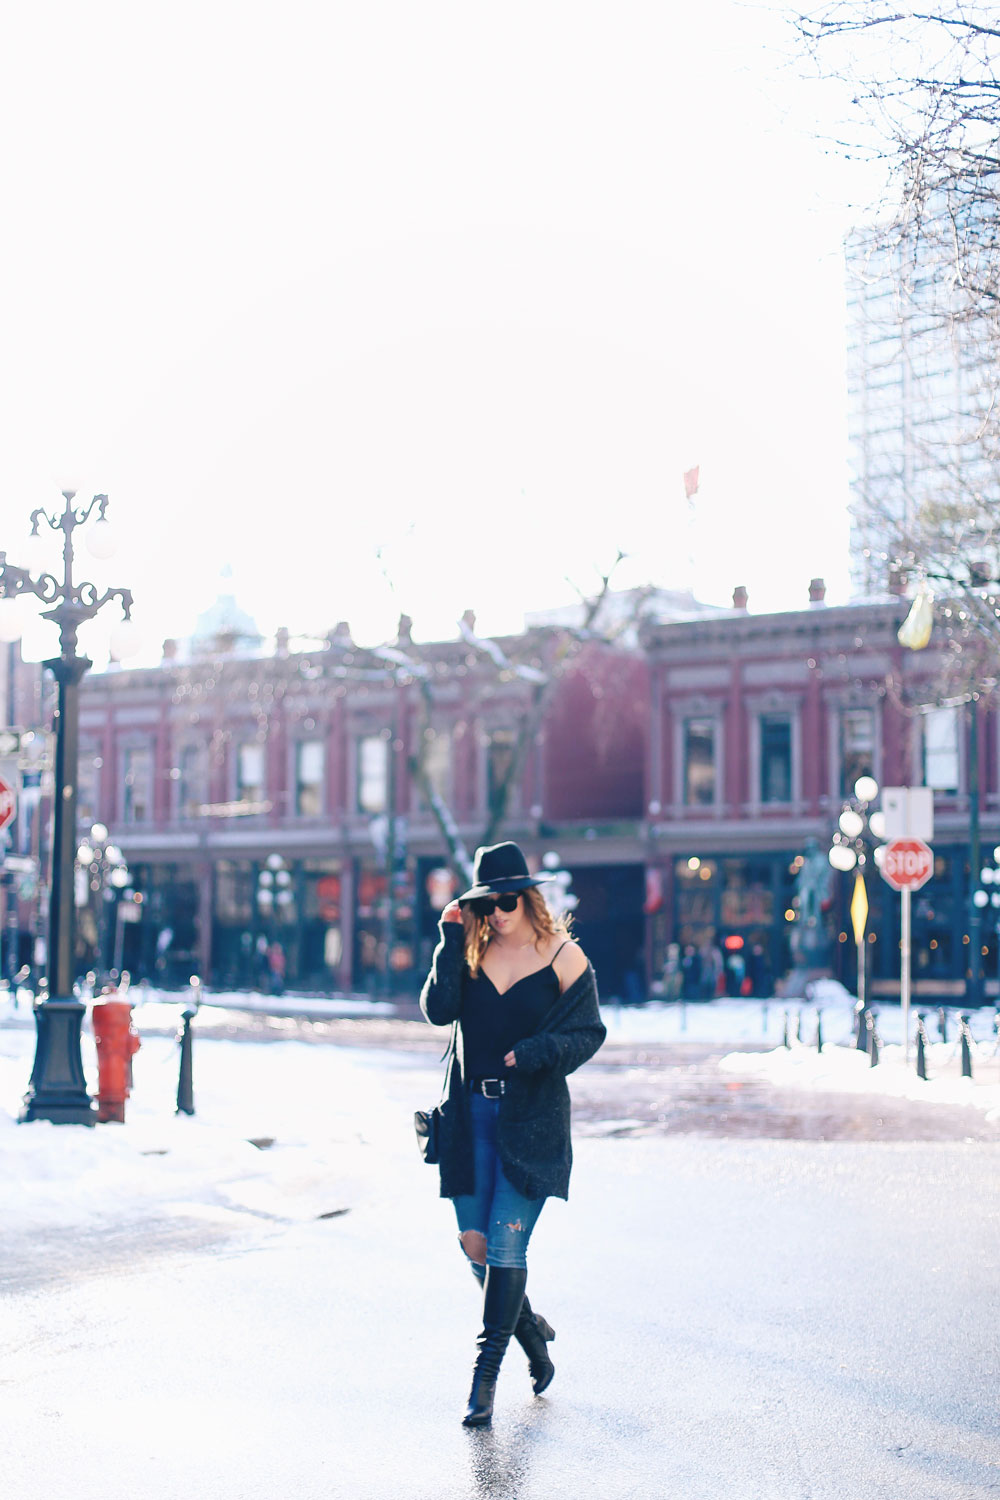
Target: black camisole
[{"x": 492, "y": 1024}]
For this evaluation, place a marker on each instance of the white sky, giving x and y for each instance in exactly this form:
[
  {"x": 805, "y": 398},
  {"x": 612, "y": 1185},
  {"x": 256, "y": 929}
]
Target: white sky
[{"x": 473, "y": 283}]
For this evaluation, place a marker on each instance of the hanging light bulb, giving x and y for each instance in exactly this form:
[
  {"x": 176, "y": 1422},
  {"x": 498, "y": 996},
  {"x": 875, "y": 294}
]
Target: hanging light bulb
[
  {"x": 851, "y": 823},
  {"x": 126, "y": 640},
  {"x": 866, "y": 789},
  {"x": 101, "y": 540},
  {"x": 842, "y": 857}
]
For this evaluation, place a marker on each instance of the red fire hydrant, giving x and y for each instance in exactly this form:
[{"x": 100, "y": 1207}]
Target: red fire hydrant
[{"x": 117, "y": 1042}]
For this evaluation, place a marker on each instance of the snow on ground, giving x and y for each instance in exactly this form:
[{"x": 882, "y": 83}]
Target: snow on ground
[
  {"x": 324, "y": 1107},
  {"x": 840, "y": 1067},
  {"x": 314, "y": 1112}
]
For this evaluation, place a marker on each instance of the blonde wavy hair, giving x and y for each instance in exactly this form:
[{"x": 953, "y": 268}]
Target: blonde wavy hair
[{"x": 478, "y": 930}]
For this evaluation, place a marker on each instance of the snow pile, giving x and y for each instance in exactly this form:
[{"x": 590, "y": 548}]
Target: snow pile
[
  {"x": 846, "y": 1070},
  {"x": 762, "y": 1022},
  {"x": 840, "y": 1067},
  {"x": 284, "y": 1128},
  {"x": 282, "y": 1131}
]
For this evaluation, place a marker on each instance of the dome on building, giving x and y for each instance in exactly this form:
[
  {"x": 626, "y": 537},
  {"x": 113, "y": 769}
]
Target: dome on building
[{"x": 224, "y": 622}]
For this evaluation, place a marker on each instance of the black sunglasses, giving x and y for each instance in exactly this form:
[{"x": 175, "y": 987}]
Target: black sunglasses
[{"x": 485, "y": 906}]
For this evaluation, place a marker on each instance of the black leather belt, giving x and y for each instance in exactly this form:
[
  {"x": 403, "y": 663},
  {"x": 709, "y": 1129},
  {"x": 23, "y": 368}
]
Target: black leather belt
[{"x": 490, "y": 1088}]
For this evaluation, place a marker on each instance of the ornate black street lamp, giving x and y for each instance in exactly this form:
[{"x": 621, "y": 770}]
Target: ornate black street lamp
[
  {"x": 57, "y": 1090},
  {"x": 858, "y": 828}
]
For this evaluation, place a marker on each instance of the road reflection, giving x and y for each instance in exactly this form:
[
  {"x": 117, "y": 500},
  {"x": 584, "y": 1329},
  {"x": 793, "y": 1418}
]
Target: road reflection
[{"x": 500, "y": 1461}]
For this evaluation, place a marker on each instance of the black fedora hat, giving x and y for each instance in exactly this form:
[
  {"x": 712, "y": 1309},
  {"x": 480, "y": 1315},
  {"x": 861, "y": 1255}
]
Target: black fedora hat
[{"x": 500, "y": 868}]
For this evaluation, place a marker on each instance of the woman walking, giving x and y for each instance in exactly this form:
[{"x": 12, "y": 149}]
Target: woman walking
[{"x": 525, "y": 1002}]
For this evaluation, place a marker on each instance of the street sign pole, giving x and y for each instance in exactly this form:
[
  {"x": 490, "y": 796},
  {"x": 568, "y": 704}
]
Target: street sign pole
[
  {"x": 904, "y": 973},
  {"x": 907, "y": 866}
]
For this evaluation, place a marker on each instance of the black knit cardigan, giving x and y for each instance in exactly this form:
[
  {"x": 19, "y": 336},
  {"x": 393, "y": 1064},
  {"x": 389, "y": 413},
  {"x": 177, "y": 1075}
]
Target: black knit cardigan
[{"x": 533, "y": 1129}]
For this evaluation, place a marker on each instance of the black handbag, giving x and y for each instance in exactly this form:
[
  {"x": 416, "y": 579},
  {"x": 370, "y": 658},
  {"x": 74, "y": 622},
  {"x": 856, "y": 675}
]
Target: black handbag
[{"x": 428, "y": 1122}]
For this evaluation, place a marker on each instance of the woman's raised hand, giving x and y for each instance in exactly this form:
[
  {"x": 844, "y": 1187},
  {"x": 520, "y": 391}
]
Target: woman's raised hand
[{"x": 452, "y": 912}]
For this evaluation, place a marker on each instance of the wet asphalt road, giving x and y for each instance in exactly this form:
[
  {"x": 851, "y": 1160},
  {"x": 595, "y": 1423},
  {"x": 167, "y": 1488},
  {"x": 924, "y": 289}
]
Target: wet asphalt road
[
  {"x": 739, "y": 1317},
  {"x": 665, "y": 1089}
]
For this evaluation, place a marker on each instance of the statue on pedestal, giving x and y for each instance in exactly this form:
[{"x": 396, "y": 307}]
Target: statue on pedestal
[{"x": 810, "y": 939}]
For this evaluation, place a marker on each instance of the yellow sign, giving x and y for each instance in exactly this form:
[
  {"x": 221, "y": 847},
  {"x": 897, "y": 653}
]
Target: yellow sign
[{"x": 859, "y": 907}]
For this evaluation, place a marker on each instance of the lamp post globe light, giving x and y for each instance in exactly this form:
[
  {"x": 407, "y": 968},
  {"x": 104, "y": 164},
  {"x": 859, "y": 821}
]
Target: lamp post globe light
[
  {"x": 57, "y": 1089},
  {"x": 103, "y": 876},
  {"x": 274, "y": 897},
  {"x": 858, "y": 828}
]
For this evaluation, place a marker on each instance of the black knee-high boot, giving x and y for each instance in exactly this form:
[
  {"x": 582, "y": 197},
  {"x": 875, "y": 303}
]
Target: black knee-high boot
[
  {"x": 502, "y": 1301},
  {"x": 533, "y": 1333}
]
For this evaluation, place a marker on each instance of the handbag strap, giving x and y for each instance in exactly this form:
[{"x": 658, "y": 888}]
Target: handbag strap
[{"x": 446, "y": 1055}]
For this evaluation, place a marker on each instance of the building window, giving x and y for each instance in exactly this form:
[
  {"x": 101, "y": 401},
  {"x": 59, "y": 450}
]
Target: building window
[
  {"x": 309, "y": 765},
  {"x": 250, "y": 772},
  {"x": 437, "y": 761},
  {"x": 137, "y": 785},
  {"x": 500, "y": 750},
  {"x": 87, "y": 787},
  {"x": 373, "y": 773},
  {"x": 189, "y": 775},
  {"x": 941, "y": 748},
  {"x": 775, "y": 758},
  {"x": 857, "y": 747},
  {"x": 699, "y": 762}
]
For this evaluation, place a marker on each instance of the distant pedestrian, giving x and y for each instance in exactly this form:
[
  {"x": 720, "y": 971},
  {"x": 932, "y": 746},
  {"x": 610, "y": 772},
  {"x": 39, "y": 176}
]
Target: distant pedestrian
[
  {"x": 691, "y": 973},
  {"x": 672, "y": 973},
  {"x": 276, "y": 967},
  {"x": 713, "y": 981},
  {"x": 525, "y": 1000}
]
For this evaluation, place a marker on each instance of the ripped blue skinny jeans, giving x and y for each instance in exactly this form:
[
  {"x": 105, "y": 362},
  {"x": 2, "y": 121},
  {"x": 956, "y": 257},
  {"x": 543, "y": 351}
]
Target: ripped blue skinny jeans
[{"x": 496, "y": 1209}]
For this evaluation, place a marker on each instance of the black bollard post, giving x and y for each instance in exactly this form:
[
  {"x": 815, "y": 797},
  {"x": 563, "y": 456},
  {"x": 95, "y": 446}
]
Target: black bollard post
[
  {"x": 921, "y": 1048},
  {"x": 785, "y": 1039},
  {"x": 963, "y": 1022},
  {"x": 861, "y": 1031},
  {"x": 874, "y": 1044},
  {"x": 185, "y": 1086},
  {"x": 798, "y": 1028},
  {"x": 819, "y": 1031},
  {"x": 943, "y": 1024}
]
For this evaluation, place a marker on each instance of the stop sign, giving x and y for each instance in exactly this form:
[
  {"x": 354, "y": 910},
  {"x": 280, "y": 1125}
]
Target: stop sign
[
  {"x": 908, "y": 864},
  {"x": 8, "y": 803}
]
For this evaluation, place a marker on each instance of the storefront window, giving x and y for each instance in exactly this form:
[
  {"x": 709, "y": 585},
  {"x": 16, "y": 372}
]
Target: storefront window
[
  {"x": 234, "y": 892},
  {"x": 695, "y": 888},
  {"x": 309, "y": 764},
  {"x": 699, "y": 762},
  {"x": 775, "y": 758},
  {"x": 747, "y": 894}
]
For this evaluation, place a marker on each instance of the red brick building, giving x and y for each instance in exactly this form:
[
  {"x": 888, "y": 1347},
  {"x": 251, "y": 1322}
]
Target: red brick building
[
  {"x": 759, "y": 727},
  {"x": 211, "y": 772},
  {"x": 679, "y": 782}
]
